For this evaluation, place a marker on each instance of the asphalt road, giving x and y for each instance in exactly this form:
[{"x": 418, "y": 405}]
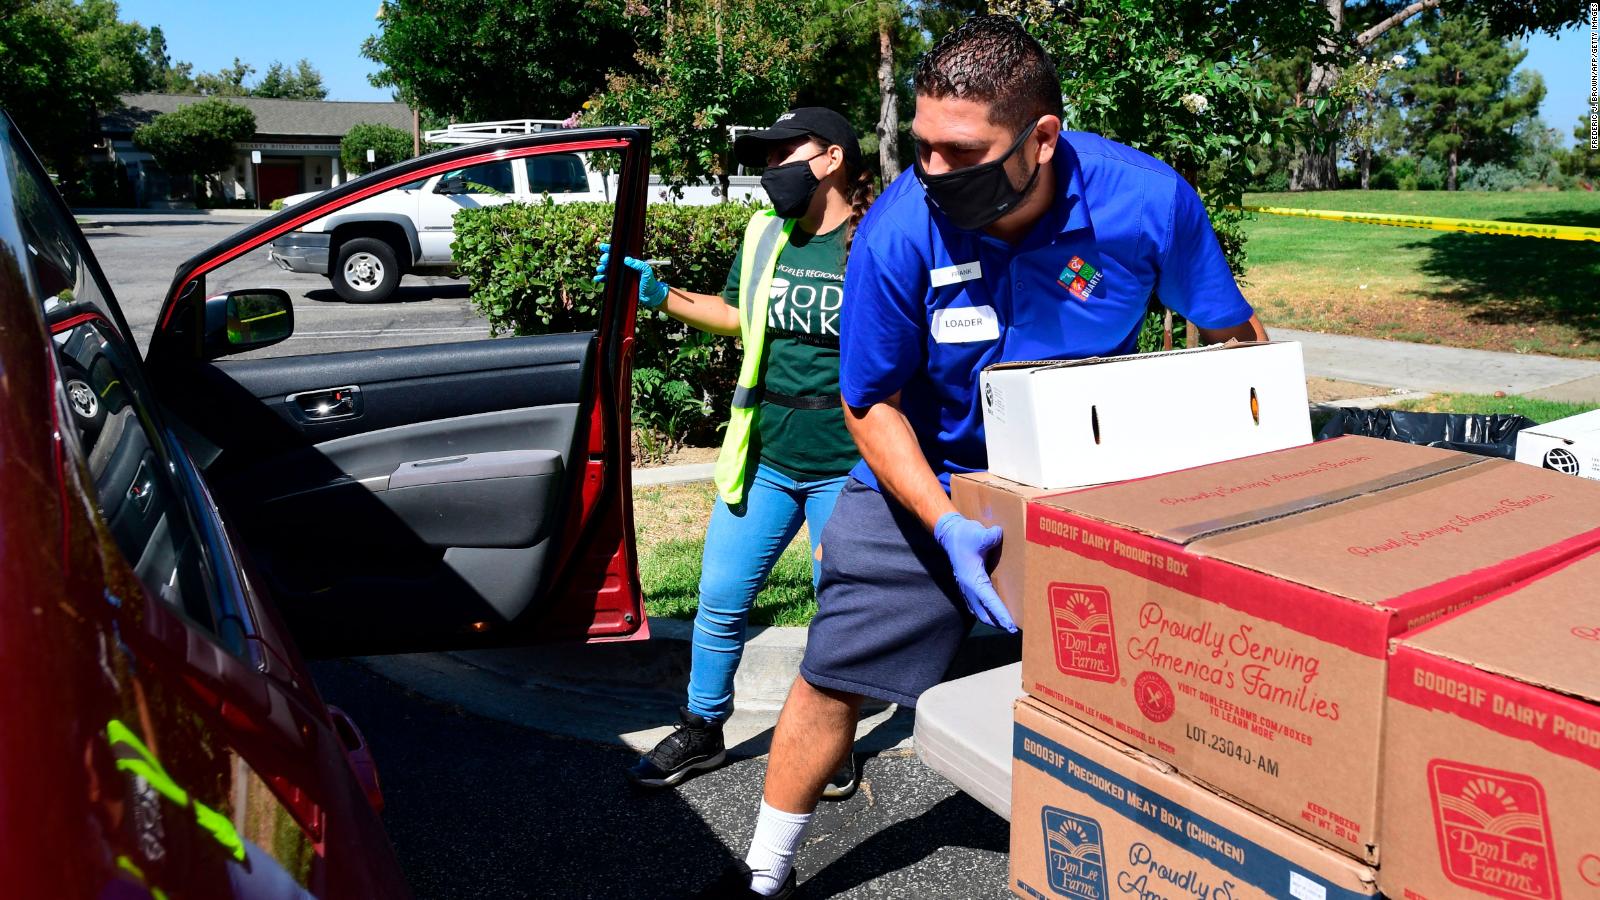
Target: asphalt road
[
  {"x": 484, "y": 809},
  {"x": 140, "y": 251}
]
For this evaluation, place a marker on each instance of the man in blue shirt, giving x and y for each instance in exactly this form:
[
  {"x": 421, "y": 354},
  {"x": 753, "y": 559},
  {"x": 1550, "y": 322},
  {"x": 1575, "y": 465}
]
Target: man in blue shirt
[{"x": 1015, "y": 241}]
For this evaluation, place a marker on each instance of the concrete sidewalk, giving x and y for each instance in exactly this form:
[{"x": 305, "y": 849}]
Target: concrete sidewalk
[{"x": 1428, "y": 367}]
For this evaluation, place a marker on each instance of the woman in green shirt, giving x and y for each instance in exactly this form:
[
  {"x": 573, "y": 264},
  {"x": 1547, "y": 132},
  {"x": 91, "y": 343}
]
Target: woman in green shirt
[{"x": 800, "y": 453}]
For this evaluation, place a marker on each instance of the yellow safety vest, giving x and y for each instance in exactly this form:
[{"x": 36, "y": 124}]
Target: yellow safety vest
[{"x": 764, "y": 238}]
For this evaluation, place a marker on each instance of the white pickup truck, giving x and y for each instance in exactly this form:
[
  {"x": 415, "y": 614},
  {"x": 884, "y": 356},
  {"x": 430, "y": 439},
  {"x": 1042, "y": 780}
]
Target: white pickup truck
[{"x": 365, "y": 248}]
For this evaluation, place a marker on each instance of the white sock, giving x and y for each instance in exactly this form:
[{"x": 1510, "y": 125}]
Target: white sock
[{"x": 778, "y": 836}]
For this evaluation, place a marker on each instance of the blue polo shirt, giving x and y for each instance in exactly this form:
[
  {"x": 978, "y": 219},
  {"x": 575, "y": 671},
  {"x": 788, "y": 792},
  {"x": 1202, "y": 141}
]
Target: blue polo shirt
[{"x": 928, "y": 306}]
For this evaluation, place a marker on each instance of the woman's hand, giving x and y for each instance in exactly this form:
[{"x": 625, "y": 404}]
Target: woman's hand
[{"x": 652, "y": 290}]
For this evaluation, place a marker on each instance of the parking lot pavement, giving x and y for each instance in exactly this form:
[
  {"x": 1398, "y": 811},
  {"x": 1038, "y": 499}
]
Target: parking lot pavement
[
  {"x": 482, "y": 808},
  {"x": 140, "y": 251}
]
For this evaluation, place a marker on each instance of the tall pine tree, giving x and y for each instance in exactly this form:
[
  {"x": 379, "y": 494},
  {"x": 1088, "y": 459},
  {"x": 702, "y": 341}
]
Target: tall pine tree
[{"x": 1463, "y": 105}]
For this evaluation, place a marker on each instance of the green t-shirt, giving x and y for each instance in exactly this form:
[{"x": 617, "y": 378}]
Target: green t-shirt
[{"x": 803, "y": 358}]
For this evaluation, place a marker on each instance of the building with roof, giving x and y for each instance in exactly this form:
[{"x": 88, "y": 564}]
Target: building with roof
[{"x": 298, "y": 143}]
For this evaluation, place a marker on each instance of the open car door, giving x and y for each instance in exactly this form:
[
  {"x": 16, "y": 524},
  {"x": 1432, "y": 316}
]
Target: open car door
[{"x": 424, "y": 497}]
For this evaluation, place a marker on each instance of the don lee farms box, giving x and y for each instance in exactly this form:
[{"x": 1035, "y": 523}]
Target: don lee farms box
[
  {"x": 1234, "y": 619},
  {"x": 1091, "y": 421},
  {"x": 1094, "y": 820},
  {"x": 1570, "y": 445},
  {"x": 1491, "y": 781}
]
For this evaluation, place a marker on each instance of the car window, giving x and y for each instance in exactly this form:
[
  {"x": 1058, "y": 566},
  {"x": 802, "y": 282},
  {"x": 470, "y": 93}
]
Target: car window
[
  {"x": 486, "y": 178},
  {"x": 557, "y": 173},
  {"x": 113, "y": 423},
  {"x": 392, "y": 269}
]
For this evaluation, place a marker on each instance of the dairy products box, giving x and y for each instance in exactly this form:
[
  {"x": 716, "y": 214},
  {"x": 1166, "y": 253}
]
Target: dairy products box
[
  {"x": 1094, "y": 820},
  {"x": 1090, "y": 421},
  {"x": 1491, "y": 782},
  {"x": 1234, "y": 619},
  {"x": 1570, "y": 445}
]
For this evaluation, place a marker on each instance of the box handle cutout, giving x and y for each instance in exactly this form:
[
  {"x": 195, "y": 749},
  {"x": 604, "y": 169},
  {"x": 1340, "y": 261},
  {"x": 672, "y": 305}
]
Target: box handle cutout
[
  {"x": 1255, "y": 407},
  {"x": 1094, "y": 422}
]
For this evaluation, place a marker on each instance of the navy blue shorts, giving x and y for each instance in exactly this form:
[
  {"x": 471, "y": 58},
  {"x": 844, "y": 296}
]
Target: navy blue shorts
[{"x": 890, "y": 617}]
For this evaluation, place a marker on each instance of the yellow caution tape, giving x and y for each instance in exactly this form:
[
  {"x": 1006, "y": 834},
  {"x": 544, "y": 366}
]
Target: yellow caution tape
[{"x": 1436, "y": 223}]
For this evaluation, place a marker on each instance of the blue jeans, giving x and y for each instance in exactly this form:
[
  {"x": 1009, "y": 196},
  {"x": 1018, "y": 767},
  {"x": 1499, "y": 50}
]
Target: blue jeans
[{"x": 742, "y": 545}]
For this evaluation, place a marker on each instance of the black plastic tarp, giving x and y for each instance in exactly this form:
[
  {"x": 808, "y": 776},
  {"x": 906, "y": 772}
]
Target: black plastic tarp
[{"x": 1485, "y": 435}]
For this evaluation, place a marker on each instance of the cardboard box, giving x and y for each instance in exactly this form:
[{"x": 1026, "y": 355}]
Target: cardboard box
[
  {"x": 1093, "y": 820},
  {"x": 1491, "y": 760},
  {"x": 992, "y": 500},
  {"x": 1234, "y": 619},
  {"x": 1092, "y": 421},
  {"x": 1570, "y": 445}
]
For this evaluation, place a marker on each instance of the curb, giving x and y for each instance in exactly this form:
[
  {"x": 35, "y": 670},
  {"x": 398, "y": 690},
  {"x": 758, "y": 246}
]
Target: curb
[
  {"x": 658, "y": 668},
  {"x": 1398, "y": 396},
  {"x": 684, "y": 474}
]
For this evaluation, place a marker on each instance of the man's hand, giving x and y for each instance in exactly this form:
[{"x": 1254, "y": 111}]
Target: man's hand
[
  {"x": 652, "y": 290},
  {"x": 968, "y": 545}
]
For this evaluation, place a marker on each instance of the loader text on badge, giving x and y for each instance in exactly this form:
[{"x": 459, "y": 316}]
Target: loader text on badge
[
  {"x": 1086, "y": 642},
  {"x": 1494, "y": 831},
  {"x": 1075, "y": 855}
]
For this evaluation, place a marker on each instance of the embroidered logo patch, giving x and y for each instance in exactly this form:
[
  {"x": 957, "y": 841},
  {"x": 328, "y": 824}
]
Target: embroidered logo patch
[{"x": 1079, "y": 278}]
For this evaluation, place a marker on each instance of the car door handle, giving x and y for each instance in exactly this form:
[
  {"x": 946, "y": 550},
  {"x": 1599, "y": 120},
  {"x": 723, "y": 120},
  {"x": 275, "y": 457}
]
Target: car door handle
[{"x": 326, "y": 405}]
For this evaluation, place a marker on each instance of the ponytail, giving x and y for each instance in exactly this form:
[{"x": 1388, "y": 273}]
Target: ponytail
[{"x": 859, "y": 192}]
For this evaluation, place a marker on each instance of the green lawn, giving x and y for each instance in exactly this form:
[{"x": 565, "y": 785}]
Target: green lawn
[
  {"x": 1488, "y": 291},
  {"x": 1537, "y": 410},
  {"x": 670, "y": 526}
]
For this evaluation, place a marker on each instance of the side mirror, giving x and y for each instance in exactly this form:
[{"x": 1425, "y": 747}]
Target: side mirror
[
  {"x": 240, "y": 321},
  {"x": 452, "y": 184}
]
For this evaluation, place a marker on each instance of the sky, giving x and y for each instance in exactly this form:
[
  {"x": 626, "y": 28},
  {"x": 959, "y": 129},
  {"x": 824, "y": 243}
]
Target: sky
[{"x": 330, "y": 32}]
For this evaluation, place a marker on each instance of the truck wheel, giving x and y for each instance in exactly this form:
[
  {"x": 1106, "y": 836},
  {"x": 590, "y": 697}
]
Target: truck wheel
[{"x": 366, "y": 271}]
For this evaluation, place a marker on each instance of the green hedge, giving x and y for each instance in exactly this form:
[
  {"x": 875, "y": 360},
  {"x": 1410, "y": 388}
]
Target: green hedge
[{"x": 530, "y": 267}]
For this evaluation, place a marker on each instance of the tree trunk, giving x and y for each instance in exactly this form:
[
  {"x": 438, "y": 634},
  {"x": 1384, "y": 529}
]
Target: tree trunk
[
  {"x": 1450, "y": 180},
  {"x": 1318, "y": 170},
  {"x": 888, "y": 104},
  {"x": 1366, "y": 168}
]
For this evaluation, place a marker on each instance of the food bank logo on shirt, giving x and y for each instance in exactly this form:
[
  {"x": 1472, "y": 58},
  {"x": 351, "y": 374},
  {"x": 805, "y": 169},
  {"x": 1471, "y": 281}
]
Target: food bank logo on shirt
[
  {"x": 1074, "y": 855},
  {"x": 1085, "y": 639},
  {"x": 803, "y": 307},
  {"x": 1079, "y": 278},
  {"x": 1494, "y": 831}
]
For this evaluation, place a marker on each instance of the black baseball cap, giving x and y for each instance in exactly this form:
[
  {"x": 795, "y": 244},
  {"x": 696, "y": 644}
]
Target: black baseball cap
[{"x": 808, "y": 121}]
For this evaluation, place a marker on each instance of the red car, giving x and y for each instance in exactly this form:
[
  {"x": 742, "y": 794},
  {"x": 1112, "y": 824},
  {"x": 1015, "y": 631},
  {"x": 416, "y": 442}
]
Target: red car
[{"x": 167, "y": 524}]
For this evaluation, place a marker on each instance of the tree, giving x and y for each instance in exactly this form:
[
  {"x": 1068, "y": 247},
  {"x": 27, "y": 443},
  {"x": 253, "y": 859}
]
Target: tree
[
  {"x": 1582, "y": 161},
  {"x": 196, "y": 140},
  {"x": 500, "y": 59},
  {"x": 1317, "y": 165},
  {"x": 389, "y": 145},
  {"x": 227, "y": 81},
  {"x": 719, "y": 63},
  {"x": 1180, "y": 82},
  {"x": 1463, "y": 103},
  {"x": 304, "y": 82}
]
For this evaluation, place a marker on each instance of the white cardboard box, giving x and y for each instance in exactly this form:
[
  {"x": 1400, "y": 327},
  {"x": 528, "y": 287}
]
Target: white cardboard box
[
  {"x": 1570, "y": 445},
  {"x": 1072, "y": 423}
]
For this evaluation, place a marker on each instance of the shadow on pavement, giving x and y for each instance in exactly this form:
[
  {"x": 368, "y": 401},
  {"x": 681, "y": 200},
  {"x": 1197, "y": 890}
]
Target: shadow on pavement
[
  {"x": 405, "y": 293},
  {"x": 956, "y": 821},
  {"x": 1521, "y": 280}
]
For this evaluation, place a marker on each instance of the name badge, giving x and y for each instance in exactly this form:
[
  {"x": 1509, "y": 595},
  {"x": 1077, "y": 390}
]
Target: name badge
[
  {"x": 971, "y": 271},
  {"x": 966, "y": 325}
]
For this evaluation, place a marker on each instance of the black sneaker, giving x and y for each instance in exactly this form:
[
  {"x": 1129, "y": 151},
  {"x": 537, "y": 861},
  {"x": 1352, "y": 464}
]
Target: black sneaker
[
  {"x": 734, "y": 884},
  {"x": 694, "y": 745},
  {"x": 842, "y": 786}
]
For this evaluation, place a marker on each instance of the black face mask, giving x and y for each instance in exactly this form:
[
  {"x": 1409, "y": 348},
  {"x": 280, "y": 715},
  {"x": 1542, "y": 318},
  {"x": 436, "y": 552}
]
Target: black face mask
[
  {"x": 790, "y": 187},
  {"x": 974, "y": 197}
]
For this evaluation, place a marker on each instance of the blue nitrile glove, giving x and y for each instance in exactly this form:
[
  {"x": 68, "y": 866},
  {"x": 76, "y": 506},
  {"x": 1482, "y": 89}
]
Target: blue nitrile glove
[
  {"x": 968, "y": 545},
  {"x": 652, "y": 290}
]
